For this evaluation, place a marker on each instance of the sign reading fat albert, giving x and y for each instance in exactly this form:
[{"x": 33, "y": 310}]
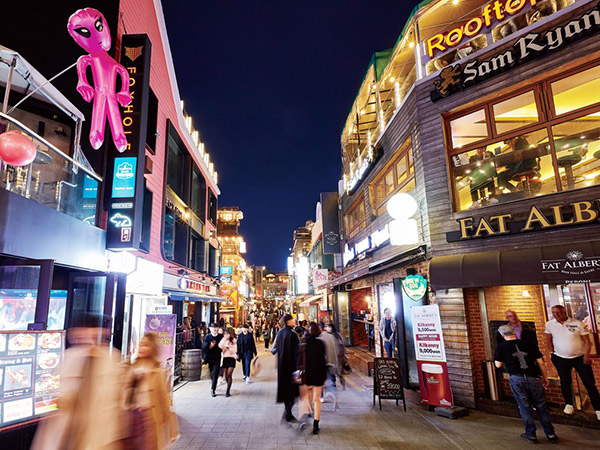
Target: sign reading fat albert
[
  {"x": 537, "y": 219},
  {"x": 460, "y": 76}
]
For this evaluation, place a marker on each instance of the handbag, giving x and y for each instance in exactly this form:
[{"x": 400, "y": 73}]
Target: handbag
[
  {"x": 256, "y": 366},
  {"x": 298, "y": 375}
]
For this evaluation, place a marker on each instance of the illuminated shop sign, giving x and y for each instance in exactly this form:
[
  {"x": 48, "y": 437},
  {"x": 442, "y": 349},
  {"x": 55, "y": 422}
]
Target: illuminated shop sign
[
  {"x": 538, "y": 219},
  {"x": 458, "y": 77},
  {"x": 125, "y": 182},
  {"x": 491, "y": 14},
  {"x": 226, "y": 270},
  {"x": 375, "y": 240},
  {"x": 363, "y": 169}
]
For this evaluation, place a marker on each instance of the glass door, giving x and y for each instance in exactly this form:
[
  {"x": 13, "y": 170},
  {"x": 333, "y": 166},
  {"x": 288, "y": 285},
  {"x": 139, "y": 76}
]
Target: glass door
[{"x": 342, "y": 312}]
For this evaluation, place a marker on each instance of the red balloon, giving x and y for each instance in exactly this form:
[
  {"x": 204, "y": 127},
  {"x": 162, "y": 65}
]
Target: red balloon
[{"x": 16, "y": 149}]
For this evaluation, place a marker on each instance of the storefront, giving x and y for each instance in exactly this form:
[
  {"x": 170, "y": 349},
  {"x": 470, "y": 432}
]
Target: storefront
[{"x": 192, "y": 298}]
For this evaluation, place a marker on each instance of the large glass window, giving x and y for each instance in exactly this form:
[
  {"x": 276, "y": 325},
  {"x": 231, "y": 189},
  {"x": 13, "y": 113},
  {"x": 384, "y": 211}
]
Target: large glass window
[
  {"x": 198, "y": 194},
  {"x": 198, "y": 253},
  {"x": 576, "y": 91},
  {"x": 355, "y": 218},
  {"x": 176, "y": 168},
  {"x": 528, "y": 153}
]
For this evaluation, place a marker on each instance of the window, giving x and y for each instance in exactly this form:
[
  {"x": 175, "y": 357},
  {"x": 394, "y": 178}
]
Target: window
[
  {"x": 468, "y": 129},
  {"x": 528, "y": 152},
  {"x": 397, "y": 176},
  {"x": 355, "y": 217},
  {"x": 213, "y": 261},
  {"x": 576, "y": 91},
  {"x": 198, "y": 194},
  {"x": 212, "y": 207},
  {"x": 146, "y": 220},
  {"x": 176, "y": 172},
  {"x": 198, "y": 253},
  {"x": 152, "y": 123},
  {"x": 175, "y": 238},
  {"x": 515, "y": 112}
]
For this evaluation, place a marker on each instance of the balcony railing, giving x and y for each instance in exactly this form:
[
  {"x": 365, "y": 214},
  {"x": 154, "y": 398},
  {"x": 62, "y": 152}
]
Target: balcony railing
[{"x": 53, "y": 178}]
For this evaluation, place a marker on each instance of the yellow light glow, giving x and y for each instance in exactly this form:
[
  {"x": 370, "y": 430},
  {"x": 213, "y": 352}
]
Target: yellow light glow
[
  {"x": 411, "y": 44},
  {"x": 455, "y": 2}
]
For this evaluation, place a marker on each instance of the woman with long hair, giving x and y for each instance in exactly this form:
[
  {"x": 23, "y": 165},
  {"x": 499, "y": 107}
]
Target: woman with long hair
[
  {"x": 340, "y": 348},
  {"x": 153, "y": 426},
  {"x": 229, "y": 347},
  {"x": 311, "y": 362}
]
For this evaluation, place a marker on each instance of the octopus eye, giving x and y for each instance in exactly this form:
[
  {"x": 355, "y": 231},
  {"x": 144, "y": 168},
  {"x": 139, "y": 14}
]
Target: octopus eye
[
  {"x": 83, "y": 31},
  {"x": 98, "y": 24}
]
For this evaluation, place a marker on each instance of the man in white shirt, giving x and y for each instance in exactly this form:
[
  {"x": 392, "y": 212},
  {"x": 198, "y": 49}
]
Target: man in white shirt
[{"x": 570, "y": 345}]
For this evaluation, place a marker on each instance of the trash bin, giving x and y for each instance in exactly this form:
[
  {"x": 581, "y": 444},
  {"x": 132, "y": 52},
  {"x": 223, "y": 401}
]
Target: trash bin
[{"x": 191, "y": 365}]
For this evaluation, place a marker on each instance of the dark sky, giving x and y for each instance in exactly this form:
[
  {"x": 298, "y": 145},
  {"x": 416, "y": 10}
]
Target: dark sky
[{"x": 269, "y": 85}]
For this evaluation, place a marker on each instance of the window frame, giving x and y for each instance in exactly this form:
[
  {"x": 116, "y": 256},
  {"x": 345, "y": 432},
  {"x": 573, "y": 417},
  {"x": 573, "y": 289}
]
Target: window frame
[
  {"x": 352, "y": 231},
  {"x": 405, "y": 151},
  {"x": 547, "y": 120}
]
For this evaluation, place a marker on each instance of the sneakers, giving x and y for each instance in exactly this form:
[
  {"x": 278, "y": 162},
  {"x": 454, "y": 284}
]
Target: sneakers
[
  {"x": 552, "y": 438},
  {"x": 221, "y": 381},
  {"x": 530, "y": 439},
  {"x": 569, "y": 410},
  {"x": 244, "y": 378},
  {"x": 247, "y": 380}
]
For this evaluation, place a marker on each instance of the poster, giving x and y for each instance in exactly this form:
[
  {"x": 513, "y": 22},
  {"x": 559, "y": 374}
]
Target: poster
[
  {"x": 164, "y": 325},
  {"x": 30, "y": 365},
  {"x": 430, "y": 352}
]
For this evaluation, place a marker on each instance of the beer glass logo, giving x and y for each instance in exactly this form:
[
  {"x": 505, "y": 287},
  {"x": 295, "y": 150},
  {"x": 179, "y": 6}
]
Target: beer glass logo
[{"x": 433, "y": 375}]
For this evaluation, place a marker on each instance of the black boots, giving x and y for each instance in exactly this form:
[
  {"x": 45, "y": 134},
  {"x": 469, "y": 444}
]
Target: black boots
[
  {"x": 227, "y": 394},
  {"x": 213, "y": 393},
  {"x": 316, "y": 428}
]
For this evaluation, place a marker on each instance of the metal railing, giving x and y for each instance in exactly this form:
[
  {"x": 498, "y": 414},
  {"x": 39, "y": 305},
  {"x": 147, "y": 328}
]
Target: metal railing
[{"x": 53, "y": 179}]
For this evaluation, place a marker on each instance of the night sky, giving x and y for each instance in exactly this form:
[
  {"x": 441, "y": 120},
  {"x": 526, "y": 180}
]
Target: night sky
[{"x": 269, "y": 85}]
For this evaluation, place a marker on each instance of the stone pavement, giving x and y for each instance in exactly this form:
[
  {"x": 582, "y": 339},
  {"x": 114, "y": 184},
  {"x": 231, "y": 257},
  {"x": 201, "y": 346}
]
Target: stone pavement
[{"x": 250, "y": 419}]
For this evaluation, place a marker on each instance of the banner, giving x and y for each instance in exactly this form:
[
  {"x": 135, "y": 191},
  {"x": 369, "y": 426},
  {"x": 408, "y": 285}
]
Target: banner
[
  {"x": 331, "y": 225},
  {"x": 164, "y": 325},
  {"x": 430, "y": 353}
]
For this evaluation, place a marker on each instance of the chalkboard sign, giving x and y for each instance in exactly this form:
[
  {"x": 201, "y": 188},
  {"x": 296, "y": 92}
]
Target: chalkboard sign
[{"x": 387, "y": 381}]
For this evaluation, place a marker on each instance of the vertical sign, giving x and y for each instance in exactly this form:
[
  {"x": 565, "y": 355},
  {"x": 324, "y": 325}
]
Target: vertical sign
[
  {"x": 331, "y": 224},
  {"x": 124, "y": 191},
  {"x": 164, "y": 325},
  {"x": 431, "y": 356}
]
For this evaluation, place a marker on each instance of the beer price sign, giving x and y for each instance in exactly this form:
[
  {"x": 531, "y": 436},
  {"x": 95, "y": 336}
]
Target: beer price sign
[{"x": 434, "y": 382}]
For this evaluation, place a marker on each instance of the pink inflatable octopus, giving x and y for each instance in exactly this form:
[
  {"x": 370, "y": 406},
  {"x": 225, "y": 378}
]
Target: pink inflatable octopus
[{"x": 88, "y": 28}]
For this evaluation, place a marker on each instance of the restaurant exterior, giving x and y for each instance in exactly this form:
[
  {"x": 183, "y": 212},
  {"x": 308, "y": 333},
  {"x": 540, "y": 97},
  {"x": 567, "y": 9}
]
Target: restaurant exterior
[{"x": 485, "y": 114}]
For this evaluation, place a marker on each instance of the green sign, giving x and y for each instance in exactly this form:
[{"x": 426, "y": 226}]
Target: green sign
[{"x": 415, "y": 286}]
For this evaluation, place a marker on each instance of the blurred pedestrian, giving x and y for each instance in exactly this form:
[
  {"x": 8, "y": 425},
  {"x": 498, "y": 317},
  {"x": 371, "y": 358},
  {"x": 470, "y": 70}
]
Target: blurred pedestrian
[
  {"x": 341, "y": 354},
  {"x": 313, "y": 366},
  {"x": 186, "y": 329},
  {"x": 211, "y": 354},
  {"x": 331, "y": 362},
  {"x": 268, "y": 334},
  {"x": 287, "y": 359},
  {"x": 90, "y": 394},
  {"x": 246, "y": 349},
  {"x": 229, "y": 347},
  {"x": 152, "y": 424}
]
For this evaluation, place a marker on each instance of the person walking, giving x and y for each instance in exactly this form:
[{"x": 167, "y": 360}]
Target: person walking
[
  {"x": 153, "y": 425},
  {"x": 186, "y": 336},
  {"x": 342, "y": 359},
  {"x": 287, "y": 362},
  {"x": 331, "y": 363},
  {"x": 211, "y": 354},
  {"x": 246, "y": 350},
  {"x": 569, "y": 344},
  {"x": 387, "y": 330},
  {"x": 229, "y": 347},
  {"x": 267, "y": 334},
  {"x": 525, "y": 364},
  {"x": 313, "y": 366}
]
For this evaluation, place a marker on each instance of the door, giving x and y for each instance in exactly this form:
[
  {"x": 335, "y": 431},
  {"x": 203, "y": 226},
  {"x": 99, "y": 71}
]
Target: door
[
  {"x": 342, "y": 316},
  {"x": 102, "y": 294}
]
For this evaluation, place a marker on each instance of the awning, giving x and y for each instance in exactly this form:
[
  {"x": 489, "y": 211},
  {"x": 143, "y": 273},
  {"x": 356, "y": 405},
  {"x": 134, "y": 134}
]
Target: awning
[
  {"x": 182, "y": 296},
  {"x": 311, "y": 300},
  {"x": 555, "y": 264}
]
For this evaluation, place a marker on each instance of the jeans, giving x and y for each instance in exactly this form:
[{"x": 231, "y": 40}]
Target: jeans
[
  {"x": 389, "y": 349},
  {"x": 529, "y": 393},
  {"x": 215, "y": 369},
  {"x": 246, "y": 363},
  {"x": 565, "y": 367}
]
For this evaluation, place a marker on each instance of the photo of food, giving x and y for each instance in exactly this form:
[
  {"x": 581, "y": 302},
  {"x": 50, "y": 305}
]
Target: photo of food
[
  {"x": 47, "y": 382},
  {"x": 17, "y": 377},
  {"x": 48, "y": 360},
  {"x": 49, "y": 340},
  {"x": 21, "y": 341}
]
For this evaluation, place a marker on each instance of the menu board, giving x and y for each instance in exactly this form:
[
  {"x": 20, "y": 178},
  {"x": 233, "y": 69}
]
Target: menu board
[
  {"x": 387, "y": 382},
  {"x": 30, "y": 365}
]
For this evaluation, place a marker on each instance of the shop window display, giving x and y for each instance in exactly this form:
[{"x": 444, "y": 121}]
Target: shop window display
[{"x": 529, "y": 153}]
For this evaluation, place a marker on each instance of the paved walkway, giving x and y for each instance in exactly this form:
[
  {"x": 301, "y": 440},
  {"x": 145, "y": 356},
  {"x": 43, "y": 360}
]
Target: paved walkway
[{"x": 250, "y": 419}]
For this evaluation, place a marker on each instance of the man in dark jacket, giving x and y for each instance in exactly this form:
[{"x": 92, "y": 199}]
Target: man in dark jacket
[
  {"x": 523, "y": 331},
  {"x": 211, "y": 353},
  {"x": 287, "y": 359},
  {"x": 246, "y": 350}
]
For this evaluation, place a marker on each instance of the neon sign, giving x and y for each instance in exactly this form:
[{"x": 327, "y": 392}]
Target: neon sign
[{"x": 494, "y": 12}]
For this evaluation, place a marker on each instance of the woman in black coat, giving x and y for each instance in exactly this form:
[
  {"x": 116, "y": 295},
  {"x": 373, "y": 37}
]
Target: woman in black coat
[{"x": 311, "y": 360}]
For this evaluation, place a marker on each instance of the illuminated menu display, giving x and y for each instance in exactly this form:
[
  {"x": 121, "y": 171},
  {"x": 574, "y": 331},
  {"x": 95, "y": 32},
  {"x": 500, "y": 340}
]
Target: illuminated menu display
[{"x": 30, "y": 365}]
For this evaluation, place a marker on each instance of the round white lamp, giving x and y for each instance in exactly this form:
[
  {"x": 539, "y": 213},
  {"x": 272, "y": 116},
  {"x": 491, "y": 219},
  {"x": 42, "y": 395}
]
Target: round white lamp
[{"x": 402, "y": 206}]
